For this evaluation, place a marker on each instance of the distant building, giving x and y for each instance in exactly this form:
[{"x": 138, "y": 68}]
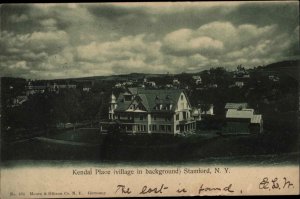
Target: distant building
[
  {"x": 242, "y": 120},
  {"x": 196, "y": 114},
  {"x": 118, "y": 85},
  {"x": 141, "y": 110},
  {"x": 86, "y": 89},
  {"x": 31, "y": 89},
  {"x": 176, "y": 82},
  {"x": 274, "y": 78},
  {"x": 239, "y": 84},
  {"x": 197, "y": 79},
  {"x": 207, "y": 109},
  {"x": 236, "y": 106},
  {"x": 127, "y": 83},
  {"x": 241, "y": 74},
  {"x": 212, "y": 86},
  {"x": 19, "y": 100},
  {"x": 56, "y": 87},
  {"x": 169, "y": 86},
  {"x": 203, "y": 111},
  {"x": 151, "y": 84}
]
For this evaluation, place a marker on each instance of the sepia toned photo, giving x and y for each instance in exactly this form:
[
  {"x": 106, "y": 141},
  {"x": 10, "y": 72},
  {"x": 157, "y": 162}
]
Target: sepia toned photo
[{"x": 149, "y": 99}]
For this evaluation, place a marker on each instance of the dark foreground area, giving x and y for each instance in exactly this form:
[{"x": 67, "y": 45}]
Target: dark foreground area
[{"x": 91, "y": 146}]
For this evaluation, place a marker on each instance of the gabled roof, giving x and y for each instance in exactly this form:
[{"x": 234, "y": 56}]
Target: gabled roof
[
  {"x": 122, "y": 105},
  {"x": 133, "y": 90},
  {"x": 151, "y": 98},
  {"x": 236, "y": 105}
]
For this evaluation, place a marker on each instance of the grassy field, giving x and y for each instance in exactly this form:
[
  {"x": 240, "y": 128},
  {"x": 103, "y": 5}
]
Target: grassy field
[{"x": 89, "y": 145}]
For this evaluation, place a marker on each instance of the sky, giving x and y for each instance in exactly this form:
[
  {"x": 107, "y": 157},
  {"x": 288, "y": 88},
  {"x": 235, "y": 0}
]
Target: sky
[{"x": 46, "y": 41}]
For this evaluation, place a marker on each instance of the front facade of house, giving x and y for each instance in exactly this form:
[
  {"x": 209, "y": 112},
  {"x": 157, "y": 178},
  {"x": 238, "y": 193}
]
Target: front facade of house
[
  {"x": 242, "y": 120},
  {"x": 140, "y": 110}
]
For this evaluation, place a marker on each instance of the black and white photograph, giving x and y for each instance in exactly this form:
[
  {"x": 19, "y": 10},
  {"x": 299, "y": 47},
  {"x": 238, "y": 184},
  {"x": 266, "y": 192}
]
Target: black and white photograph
[{"x": 114, "y": 86}]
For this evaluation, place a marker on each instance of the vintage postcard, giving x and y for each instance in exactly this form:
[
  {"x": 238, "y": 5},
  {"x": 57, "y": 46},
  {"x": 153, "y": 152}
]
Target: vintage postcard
[{"x": 149, "y": 99}]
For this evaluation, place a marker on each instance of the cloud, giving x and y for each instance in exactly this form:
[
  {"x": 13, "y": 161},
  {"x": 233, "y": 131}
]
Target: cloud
[
  {"x": 49, "y": 24},
  {"x": 128, "y": 53},
  {"x": 222, "y": 42},
  {"x": 18, "y": 18},
  {"x": 19, "y": 65},
  {"x": 73, "y": 40},
  {"x": 186, "y": 41},
  {"x": 37, "y": 41}
]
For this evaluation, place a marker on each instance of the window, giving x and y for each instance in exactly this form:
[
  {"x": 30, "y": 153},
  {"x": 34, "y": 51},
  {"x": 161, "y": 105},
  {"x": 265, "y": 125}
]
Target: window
[
  {"x": 177, "y": 127},
  {"x": 129, "y": 128},
  {"x": 177, "y": 117},
  {"x": 167, "y": 118},
  {"x": 161, "y": 127},
  {"x": 141, "y": 117},
  {"x": 118, "y": 116},
  {"x": 168, "y": 128},
  {"x": 128, "y": 117},
  {"x": 154, "y": 117},
  {"x": 181, "y": 97},
  {"x": 154, "y": 127},
  {"x": 184, "y": 115}
]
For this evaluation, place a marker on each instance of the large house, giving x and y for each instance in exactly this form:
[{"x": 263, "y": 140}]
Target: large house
[{"x": 140, "y": 110}]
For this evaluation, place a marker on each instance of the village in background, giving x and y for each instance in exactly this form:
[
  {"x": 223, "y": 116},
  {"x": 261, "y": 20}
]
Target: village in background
[{"x": 214, "y": 112}]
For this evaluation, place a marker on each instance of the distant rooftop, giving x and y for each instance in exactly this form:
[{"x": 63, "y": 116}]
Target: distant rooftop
[
  {"x": 244, "y": 114},
  {"x": 236, "y": 105}
]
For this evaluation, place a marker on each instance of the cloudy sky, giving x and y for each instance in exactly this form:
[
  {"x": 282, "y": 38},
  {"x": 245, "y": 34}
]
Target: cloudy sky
[{"x": 45, "y": 41}]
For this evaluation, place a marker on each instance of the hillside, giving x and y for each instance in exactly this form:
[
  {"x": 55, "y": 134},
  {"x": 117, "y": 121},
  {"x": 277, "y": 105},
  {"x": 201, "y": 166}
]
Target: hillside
[{"x": 290, "y": 68}]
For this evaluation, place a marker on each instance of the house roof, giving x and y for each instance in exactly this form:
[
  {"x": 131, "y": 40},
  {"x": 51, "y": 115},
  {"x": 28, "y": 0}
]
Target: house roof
[
  {"x": 122, "y": 105},
  {"x": 236, "y": 105},
  {"x": 244, "y": 113},
  {"x": 256, "y": 119},
  {"x": 151, "y": 99},
  {"x": 133, "y": 90}
]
